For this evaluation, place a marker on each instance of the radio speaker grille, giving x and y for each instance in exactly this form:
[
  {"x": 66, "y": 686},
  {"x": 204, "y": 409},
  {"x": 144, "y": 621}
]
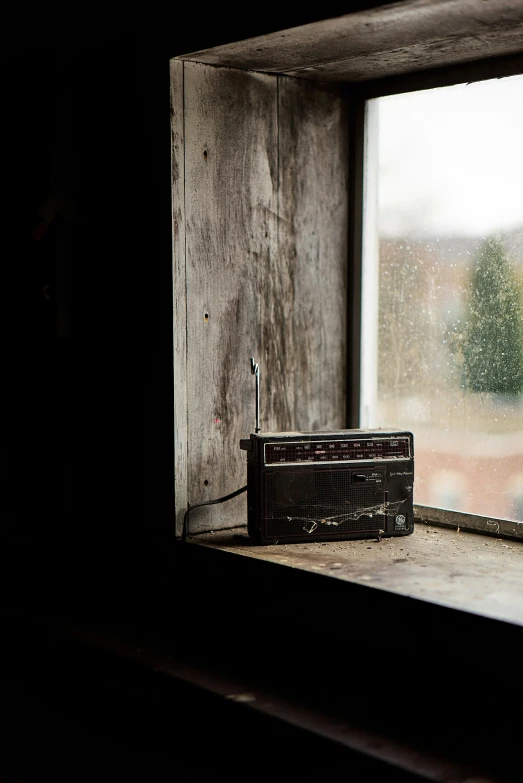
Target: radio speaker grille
[{"x": 321, "y": 501}]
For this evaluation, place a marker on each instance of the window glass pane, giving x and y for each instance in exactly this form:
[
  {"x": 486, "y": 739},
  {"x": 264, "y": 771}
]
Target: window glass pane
[{"x": 444, "y": 262}]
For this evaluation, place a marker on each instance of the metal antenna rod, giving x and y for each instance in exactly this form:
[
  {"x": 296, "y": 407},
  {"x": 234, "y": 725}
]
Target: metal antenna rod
[{"x": 255, "y": 370}]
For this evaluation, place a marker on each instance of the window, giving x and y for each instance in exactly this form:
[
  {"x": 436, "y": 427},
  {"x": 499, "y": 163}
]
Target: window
[
  {"x": 300, "y": 203},
  {"x": 442, "y": 324}
]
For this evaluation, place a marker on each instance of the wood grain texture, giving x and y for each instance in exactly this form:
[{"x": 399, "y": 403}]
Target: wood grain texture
[
  {"x": 179, "y": 293},
  {"x": 305, "y": 344},
  {"x": 413, "y": 57},
  {"x": 231, "y": 171},
  {"x": 266, "y": 242},
  {"x": 394, "y": 38}
]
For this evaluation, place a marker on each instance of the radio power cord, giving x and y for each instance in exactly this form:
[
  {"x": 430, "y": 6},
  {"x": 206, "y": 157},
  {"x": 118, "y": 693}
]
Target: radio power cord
[
  {"x": 207, "y": 503},
  {"x": 255, "y": 370}
]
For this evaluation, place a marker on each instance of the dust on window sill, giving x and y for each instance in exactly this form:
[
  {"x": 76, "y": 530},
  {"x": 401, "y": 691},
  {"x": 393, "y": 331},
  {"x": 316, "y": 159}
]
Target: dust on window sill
[{"x": 450, "y": 566}]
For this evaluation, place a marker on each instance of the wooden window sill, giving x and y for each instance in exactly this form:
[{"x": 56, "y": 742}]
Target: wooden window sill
[{"x": 472, "y": 572}]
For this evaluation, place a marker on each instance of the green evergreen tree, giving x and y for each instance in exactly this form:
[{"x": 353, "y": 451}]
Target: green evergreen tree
[{"x": 492, "y": 341}]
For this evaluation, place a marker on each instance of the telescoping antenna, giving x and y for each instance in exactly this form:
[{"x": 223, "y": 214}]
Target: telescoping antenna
[{"x": 255, "y": 370}]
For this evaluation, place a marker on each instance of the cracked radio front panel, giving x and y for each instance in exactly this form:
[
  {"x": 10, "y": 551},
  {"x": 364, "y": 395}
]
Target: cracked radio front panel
[{"x": 324, "y": 500}]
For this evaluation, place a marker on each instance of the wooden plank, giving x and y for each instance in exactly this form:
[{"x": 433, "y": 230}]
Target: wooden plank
[
  {"x": 356, "y": 201},
  {"x": 412, "y": 56},
  {"x": 231, "y": 202},
  {"x": 179, "y": 293},
  {"x": 305, "y": 335},
  {"x": 379, "y": 41},
  {"x": 467, "y": 571},
  {"x": 266, "y": 207}
]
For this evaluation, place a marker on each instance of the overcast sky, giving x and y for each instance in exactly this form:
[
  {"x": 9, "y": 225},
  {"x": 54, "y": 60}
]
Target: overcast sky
[{"x": 451, "y": 160}]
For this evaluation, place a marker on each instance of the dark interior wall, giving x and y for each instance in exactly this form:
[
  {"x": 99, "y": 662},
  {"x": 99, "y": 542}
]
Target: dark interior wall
[{"x": 86, "y": 320}]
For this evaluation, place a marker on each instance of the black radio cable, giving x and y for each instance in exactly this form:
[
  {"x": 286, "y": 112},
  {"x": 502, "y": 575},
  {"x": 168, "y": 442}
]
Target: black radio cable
[{"x": 207, "y": 503}]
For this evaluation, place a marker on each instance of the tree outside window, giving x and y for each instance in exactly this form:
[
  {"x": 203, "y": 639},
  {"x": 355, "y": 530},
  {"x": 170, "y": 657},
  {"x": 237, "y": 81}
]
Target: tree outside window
[{"x": 492, "y": 338}]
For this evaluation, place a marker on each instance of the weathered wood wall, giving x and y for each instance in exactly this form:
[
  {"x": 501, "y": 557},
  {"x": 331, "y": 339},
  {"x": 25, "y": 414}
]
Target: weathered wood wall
[
  {"x": 388, "y": 39},
  {"x": 260, "y": 269}
]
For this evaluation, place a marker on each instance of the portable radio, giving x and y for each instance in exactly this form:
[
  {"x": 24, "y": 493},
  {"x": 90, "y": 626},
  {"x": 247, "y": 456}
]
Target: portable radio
[{"x": 351, "y": 483}]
